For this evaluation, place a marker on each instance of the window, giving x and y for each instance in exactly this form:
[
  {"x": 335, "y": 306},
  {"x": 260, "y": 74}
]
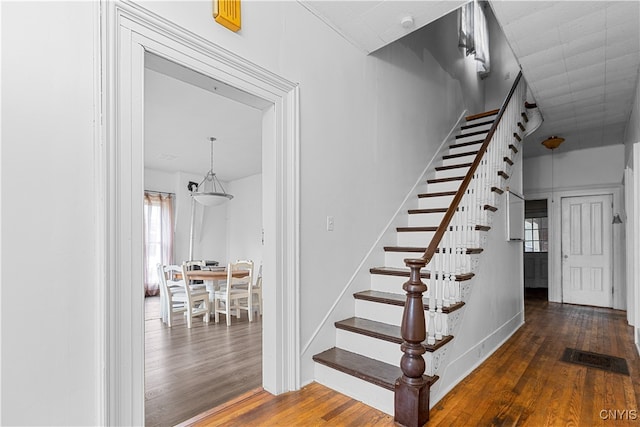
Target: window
[
  {"x": 158, "y": 237},
  {"x": 536, "y": 234}
]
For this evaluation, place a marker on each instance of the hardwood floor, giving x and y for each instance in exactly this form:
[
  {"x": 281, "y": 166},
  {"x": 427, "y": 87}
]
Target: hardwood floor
[
  {"x": 190, "y": 371},
  {"x": 523, "y": 383}
]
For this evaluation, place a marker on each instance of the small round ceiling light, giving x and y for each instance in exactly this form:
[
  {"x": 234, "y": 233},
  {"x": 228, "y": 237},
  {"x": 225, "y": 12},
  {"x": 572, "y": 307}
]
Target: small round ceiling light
[
  {"x": 553, "y": 142},
  {"x": 407, "y": 22}
]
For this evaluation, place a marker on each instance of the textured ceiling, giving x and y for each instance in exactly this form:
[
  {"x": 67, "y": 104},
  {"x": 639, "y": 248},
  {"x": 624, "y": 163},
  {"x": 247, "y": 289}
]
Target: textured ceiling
[
  {"x": 370, "y": 25},
  {"x": 184, "y": 108},
  {"x": 580, "y": 59}
]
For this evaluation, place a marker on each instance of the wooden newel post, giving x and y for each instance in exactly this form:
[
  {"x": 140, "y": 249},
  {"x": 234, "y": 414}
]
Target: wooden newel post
[{"x": 412, "y": 389}]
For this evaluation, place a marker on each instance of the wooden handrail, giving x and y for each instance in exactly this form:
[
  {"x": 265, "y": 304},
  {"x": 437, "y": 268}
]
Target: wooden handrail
[
  {"x": 412, "y": 388},
  {"x": 444, "y": 224}
]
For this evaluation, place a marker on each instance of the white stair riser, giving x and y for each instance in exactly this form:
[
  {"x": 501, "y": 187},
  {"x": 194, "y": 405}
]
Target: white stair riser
[
  {"x": 438, "y": 187},
  {"x": 373, "y": 348},
  {"x": 415, "y": 239},
  {"x": 464, "y": 148},
  {"x": 391, "y": 314},
  {"x": 481, "y": 119},
  {"x": 385, "y": 313},
  {"x": 448, "y": 173},
  {"x": 484, "y": 127},
  {"x": 393, "y": 284},
  {"x": 370, "y": 394},
  {"x": 434, "y": 202},
  {"x": 386, "y": 283},
  {"x": 425, "y": 219},
  {"x": 396, "y": 259},
  {"x": 457, "y": 160},
  {"x": 469, "y": 138},
  {"x": 378, "y": 349}
]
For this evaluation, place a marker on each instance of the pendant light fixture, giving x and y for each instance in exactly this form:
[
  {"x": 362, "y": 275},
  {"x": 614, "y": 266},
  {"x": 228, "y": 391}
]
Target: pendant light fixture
[
  {"x": 210, "y": 191},
  {"x": 552, "y": 143}
]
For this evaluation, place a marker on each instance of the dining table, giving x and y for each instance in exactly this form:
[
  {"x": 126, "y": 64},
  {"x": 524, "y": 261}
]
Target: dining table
[{"x": 211, "y": 276}]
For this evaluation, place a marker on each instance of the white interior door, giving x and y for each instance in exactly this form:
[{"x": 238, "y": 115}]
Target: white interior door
[{"x": 586, "y": 250}]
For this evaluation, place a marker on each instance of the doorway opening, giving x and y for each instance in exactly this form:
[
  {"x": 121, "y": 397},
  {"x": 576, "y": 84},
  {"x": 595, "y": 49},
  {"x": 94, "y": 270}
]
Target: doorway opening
[
  {"x": 182, "y": 110},
  {"x": 130, "y": 33},
  {"x": 536, "y": 249}
]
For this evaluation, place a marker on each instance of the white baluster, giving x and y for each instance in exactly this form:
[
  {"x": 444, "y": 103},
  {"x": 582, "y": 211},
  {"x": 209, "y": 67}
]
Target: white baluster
[{"x": 431, "y": 323}]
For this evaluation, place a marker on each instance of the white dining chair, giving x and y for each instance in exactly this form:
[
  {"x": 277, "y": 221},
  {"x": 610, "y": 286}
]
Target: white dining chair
[
  {"x": 172, "y": 293},
  {"x": 256, "y": 293},
  {"x": 196, "y": 299},
  {"x": 236, "y": 294}
]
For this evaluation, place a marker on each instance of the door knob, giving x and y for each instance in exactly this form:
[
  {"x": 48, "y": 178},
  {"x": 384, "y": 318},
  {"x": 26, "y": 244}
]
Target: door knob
[{"x": 566, "y": 256}]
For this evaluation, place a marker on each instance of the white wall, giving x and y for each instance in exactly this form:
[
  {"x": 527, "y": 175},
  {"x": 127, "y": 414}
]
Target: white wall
[
  {"x": 494, "y": 309},
  {"x": 574, "y": 173},
  {"x": 504, "y": 66},
  {"x": 632, "y": 204},
  {"x": 575, "y": 169},
  {"x": 50, "y": 305},
  {"x": 244, "y": 220}
]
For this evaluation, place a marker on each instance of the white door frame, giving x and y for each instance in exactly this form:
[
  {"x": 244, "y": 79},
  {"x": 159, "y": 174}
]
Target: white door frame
[
  {"x": 635, "y": 227},
  {"x": 554, "y": 210},
  {"x": 127, "y": 31}
]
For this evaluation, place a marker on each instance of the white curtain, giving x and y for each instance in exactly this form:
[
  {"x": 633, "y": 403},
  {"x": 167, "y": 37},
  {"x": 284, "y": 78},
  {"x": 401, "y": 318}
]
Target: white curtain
[
  {"x": 158, "y": 237},
  {"x": 481, "y": 37},
  {"x": 473, "y": 35}
]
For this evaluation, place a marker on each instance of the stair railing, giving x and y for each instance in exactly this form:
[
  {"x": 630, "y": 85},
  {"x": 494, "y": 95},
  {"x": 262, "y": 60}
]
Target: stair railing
[{"x": 457, "y": 232}]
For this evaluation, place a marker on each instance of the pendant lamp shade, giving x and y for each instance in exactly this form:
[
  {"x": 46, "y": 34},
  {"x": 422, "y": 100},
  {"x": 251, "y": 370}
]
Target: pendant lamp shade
[
  {"x": 210, "y": 191},
  {"x": 553, "y": 142}
]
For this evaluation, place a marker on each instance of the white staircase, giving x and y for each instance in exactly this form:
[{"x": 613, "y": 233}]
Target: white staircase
[{"x": 365, "y": 361}]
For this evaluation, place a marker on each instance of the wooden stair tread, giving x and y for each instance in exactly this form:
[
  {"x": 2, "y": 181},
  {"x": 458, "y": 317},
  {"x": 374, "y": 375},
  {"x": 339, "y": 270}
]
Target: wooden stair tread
[
  {"x": 458, "y": 166},
  {"x": 383, "y": 331},
  {"x": 464, "y": 135},
  {"x": 481, "y": 115},
  {"x": 465, "y": 127},
  {"x": 469, "y": 251},
  {"x": 404, "y": 272},
  {"x": 434, "y": 228},
  {"x": 370, "y": 328},
  {"x": 449, "y": 179},
  {"x": 415, "y": 229},
  {"x": 367, "y": 369},
  {"x": 497, "y": 190},
  {"x": 453, "y": 156},
  {"x": 437, "y": 194},
  {"x": 426, "y": 211},
  {"x": 508, "y": 160},
  {"x": 466, "y": 144},
  {"x": 399, "y": 300}
]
